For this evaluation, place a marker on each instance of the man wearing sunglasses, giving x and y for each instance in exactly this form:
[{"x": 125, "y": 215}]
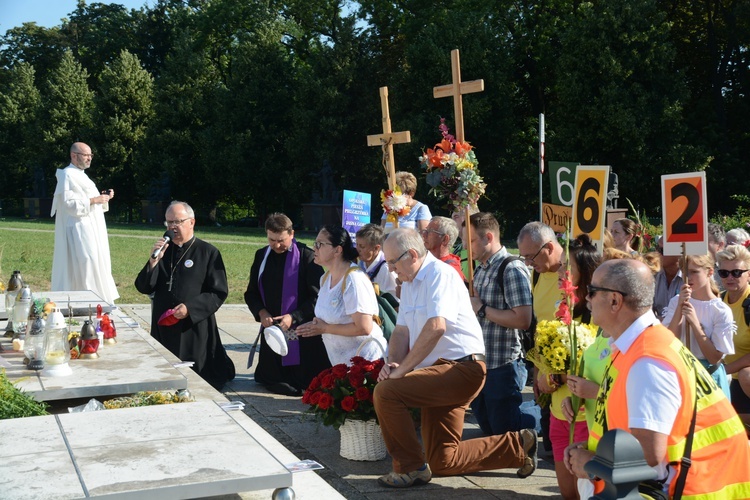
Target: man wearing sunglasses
[
  {"x": 655, "y": 389},
  {"x": 81, "y": 258}
]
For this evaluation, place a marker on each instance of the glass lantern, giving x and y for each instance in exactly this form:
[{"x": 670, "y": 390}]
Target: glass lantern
[
  {"x": 88, "y": 344},
  {"x": 33, "y": 347},
  {"x": 57, "y": 347},
  {"x": 21, "y": 309},
  {"x": 15, "y": 283},
  {"x": 107, "y": 326}
]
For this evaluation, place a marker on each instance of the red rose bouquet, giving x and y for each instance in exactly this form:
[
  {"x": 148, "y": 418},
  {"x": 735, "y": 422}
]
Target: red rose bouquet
[{"x": 344, "y": 392}]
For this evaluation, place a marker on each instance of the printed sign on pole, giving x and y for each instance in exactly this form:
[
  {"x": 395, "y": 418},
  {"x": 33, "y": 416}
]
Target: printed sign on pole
[
  {"x": 590, "y": 202},
  {"x": 356, "y": 211},
  {"x": 685, "y": 213}
]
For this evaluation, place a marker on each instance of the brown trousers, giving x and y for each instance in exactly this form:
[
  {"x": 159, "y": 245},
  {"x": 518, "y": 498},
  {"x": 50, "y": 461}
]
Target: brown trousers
[{"x": 442, "y": 391}]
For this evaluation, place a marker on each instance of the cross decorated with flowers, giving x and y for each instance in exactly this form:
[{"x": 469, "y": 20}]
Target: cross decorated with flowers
[
  {"x": 457, "y": 89},
  {"x": 387, "y": 139}
]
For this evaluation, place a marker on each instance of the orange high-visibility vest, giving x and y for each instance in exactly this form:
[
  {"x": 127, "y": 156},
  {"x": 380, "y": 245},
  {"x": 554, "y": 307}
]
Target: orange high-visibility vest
[{"x": 720, "y": 451}]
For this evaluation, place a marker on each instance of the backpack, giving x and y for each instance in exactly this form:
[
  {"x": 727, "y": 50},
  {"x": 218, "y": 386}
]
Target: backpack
[
  {"x": 387, "y": 305},
  {"x": 525, "y": 336},
  {"x": 745, "y": 307}
]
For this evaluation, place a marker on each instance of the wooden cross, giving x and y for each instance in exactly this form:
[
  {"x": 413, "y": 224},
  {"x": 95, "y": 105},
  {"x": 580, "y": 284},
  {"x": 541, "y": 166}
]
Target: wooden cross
[
  {"x": 456, "y": 90},
  {"x": 387, "y": 139}
]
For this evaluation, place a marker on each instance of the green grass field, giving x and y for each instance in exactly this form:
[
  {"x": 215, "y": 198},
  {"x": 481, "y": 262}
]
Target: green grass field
[{"x": 27, "y": 246}]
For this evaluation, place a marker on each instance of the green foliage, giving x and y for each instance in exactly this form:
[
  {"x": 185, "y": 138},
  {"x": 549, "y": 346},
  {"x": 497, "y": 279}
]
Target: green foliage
[
  {"x": 124, "y": 112},
  {"x": 250, "y": 98},
  {"x": 20, "y": 105},
  {"x": 741, "y": 216},
  {"x": 15, "y": 403},
  {"x": 68, "y": 106}
]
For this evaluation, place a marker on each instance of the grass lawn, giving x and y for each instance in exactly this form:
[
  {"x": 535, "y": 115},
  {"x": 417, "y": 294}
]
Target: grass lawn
[{"x": 27, "y": 246}]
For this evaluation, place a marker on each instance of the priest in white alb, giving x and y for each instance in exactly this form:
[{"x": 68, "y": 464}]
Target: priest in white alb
[{"x": 81, "y": 260}]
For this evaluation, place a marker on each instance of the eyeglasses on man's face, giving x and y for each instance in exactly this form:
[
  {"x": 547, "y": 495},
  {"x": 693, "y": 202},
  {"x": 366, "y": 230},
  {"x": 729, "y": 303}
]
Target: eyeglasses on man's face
[
  {"x": 592, "y": 289},
  {"x": 392, "y": 263},
  {"x": 531, "y": 259},
  {"x": 425, "y": 232},
  {"x": 736, "y": 273},
  {"x": 85, "y": 155},
  {"x": 176, "y": 223}
]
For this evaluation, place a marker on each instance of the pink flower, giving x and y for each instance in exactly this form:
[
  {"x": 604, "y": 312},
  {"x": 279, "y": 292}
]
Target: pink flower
[{"x": 563, "y": 313}]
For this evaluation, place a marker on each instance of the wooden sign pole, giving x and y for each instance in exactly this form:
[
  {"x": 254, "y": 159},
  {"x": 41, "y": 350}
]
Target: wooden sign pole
[
  {"x": 456, "y": 89},
  {"x": 685, "y": 280}
]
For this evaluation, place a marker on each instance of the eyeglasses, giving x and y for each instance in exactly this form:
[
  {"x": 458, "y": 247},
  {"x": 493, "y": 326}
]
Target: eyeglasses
[
  {"x": 593, "y": 289},
  {"x": 392, "y": 263},
  {"x": 425, "y": 232},
  {"x": 736, "y": 273},
  {"x": 527, "y": 259},
  {"x": 175, "y": 223},
  {"x": 319, "y": 244},
  {"x": 85, "y": 155}
]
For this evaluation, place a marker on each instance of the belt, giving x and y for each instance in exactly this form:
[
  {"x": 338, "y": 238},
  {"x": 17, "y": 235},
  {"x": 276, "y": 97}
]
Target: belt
[{"x": 471, "y": 357}]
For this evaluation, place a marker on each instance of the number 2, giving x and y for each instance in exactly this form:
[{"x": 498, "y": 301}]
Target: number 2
[{"x": 690, "y": 192}]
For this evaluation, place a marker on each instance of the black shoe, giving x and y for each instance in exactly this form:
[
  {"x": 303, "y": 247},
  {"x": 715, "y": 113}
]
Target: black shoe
[{"x": 284, "y": 389}]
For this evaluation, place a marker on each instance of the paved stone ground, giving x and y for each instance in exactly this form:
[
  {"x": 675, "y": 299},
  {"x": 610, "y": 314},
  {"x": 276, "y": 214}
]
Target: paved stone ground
[{"x": 285, "y": 419}]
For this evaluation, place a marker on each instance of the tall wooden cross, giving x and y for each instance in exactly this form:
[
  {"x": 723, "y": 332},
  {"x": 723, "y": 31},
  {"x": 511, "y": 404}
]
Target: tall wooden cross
[
  {"x": 387, "y": 139},
  {"x": 456, "y": 90}
]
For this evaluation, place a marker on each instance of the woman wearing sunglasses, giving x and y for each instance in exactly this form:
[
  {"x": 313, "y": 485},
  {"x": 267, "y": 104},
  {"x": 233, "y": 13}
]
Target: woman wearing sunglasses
[
  {"x": 709, "y": 319},
  {"x": 734, "y": 263},
  {"x": 346, "y": 306}
]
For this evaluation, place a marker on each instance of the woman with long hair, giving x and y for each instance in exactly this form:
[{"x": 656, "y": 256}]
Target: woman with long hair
[
  {"x": 346, "y": 306},
  {"x": 625, "y": 234},
  {"x": 584, "y": 258},
  {"x": 699, "y": 309}
]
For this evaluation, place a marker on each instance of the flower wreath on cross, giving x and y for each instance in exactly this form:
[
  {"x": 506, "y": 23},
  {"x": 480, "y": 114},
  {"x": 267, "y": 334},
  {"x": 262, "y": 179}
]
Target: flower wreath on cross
[{"x": 451, "y": 171}]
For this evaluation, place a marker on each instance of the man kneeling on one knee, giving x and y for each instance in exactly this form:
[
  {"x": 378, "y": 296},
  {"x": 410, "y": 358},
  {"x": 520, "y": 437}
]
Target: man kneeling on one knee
[{"x": 436, "y": 363}]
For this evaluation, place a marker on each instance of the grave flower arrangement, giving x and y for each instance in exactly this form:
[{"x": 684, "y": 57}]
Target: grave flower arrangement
[
  {"x": 451, "y": 171},
  {"x": 344, "y": 392},
  {"x": 394, "y": 204}
]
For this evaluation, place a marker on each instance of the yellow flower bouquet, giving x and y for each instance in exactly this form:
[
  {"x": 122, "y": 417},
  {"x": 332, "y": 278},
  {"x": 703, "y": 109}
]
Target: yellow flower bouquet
[{"x": 552, "y": 345}]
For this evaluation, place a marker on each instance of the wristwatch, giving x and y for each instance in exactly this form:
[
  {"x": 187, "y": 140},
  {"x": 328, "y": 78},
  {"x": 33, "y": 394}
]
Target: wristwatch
[{"x": 480, "y": 312}]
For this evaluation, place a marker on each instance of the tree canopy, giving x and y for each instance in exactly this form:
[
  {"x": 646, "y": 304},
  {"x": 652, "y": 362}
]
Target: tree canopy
[{"x": 228, "y": 102}]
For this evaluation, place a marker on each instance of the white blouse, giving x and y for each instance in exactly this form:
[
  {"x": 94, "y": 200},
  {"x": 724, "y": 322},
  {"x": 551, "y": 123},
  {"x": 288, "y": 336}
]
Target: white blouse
[
  {"x": 336, "y": 308},
  {"x": 716, "y": 320}
]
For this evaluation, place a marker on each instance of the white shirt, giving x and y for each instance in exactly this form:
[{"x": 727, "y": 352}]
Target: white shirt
[
  {"x": 336, "y": 308},
  {"x": 716, "y": 320},
  {"x": 438, "y": 291},
  {"x": 385, "y": 279},
  {"x": 653, "y": 389}
]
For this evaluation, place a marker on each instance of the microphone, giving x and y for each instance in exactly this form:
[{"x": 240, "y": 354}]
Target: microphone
[{"x": 168, "y": 236}]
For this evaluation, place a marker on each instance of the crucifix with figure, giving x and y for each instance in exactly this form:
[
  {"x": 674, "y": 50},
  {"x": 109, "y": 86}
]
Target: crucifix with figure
[
  {"x": 387, "y": 139},
  {"x": 456, "y": 89}
]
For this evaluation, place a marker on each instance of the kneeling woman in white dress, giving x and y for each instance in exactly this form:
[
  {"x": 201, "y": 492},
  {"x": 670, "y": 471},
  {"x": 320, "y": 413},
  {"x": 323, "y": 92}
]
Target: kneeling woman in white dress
[{"x": 346, "y": 306}]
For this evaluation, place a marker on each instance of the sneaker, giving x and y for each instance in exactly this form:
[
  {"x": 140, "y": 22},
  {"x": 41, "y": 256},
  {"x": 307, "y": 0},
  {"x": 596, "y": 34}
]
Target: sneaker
[
  {"x": 414, "y": 478},
  {"x": 529, "y": 438}
]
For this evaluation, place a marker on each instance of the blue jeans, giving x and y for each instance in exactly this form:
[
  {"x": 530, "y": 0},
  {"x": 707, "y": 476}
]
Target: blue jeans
[{"x": 497, "y": 408}]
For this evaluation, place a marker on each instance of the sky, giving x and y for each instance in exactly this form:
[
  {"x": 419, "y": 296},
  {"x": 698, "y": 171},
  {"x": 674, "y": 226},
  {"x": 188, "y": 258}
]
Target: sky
[{"x": 48, "y": 13}]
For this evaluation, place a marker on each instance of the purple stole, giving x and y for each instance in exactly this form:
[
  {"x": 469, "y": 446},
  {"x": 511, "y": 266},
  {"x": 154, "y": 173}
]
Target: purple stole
[{"x": 289, "y": 294}]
